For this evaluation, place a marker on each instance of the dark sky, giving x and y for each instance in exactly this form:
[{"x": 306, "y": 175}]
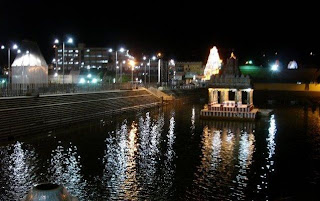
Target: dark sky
[{"x": 184, "y": 31}]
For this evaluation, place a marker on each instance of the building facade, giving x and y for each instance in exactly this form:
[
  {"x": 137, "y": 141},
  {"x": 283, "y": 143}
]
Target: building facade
[{"x": 82, "y": 57}]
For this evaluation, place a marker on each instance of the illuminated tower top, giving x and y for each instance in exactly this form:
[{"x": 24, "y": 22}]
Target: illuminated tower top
[{"x": 213, "y": 64}]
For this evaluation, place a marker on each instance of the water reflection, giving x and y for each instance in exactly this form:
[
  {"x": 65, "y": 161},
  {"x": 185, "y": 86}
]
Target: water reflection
[
  {"x": 132, "y": 158},
  {"x": 18, "y": 166},
  {"x": 65, "y": 169},
  {"x": 220, "y": 174},
  {"x": 193, "y": 120},
  {"x": 266, "y": 170}
]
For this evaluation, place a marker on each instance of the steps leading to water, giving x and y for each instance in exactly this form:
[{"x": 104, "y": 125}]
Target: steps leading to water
[{"x": 28, "y": 115}]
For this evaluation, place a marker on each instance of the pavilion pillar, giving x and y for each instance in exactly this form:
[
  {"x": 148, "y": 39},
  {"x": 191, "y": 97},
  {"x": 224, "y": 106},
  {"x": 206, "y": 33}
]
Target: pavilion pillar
[
  {"x": 210, "y": 95},
  {"x": 215, "y": 96},
  {"x": 238, "y": 97},
  {"x": 226, "y": 95},
  {"x": 251, "y": 97}
]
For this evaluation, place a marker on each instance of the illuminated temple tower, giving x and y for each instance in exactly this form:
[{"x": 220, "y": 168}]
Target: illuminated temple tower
[
  {"x": 230, "y": 94},
  {"x": 213, "y": 64}
]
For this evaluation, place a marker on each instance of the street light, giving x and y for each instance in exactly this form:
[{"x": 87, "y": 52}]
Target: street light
[
  {"x": 117, "y": 67},
  {"x": 14, "y": 47},
  {"x": 69, "y": 41}
]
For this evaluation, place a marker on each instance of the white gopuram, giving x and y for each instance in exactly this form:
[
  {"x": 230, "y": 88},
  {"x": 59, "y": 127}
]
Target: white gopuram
[{"x": 213, "y": 64}]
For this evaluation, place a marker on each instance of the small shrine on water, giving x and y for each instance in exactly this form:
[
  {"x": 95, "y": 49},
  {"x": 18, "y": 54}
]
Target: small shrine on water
[{"x": 230, "y": 94}]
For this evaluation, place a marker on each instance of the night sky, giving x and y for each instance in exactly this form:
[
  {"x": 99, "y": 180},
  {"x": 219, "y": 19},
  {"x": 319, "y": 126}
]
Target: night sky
[{"x": 183, "y": 31}]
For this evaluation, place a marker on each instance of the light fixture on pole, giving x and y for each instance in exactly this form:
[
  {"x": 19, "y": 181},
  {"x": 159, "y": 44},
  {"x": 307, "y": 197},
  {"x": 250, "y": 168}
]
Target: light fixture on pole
[
  {"x": 14, "y": 47},
  {"x": 117, "y": 62},
  {"x": 69, "y": 41}
]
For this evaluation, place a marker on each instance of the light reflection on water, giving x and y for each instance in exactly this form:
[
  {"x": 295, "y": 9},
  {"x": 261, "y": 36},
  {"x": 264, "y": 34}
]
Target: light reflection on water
[
  {"x": 65, "y": 168},
  {"x": 17, "y": 170},
  {"x": 227, "y": 151},
  {"x": 140, "y": 161}
]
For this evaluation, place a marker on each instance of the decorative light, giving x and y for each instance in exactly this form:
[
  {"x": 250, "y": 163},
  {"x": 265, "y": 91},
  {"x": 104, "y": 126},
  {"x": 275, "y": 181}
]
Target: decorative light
[
  {"x": 144, "y": 58},
  {"x": 121, "y": 49},
  {"x": 19, "y": 51},
  {"x": 154, "y": 58},
  {"x": 56, "y": 74},
  {"x": 250, "y": 62},
  {"x": 89, "y": 75},
  {"x": 15, "y": 46},
  {"x": 110, "y": 50},
  {"x": 2, "y": 47},
  {"x": 292, "y": 65},
  {"x": 56, "y": 41}
]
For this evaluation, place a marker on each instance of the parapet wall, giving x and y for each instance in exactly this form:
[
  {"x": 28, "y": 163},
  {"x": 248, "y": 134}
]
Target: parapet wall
[
  {"x": 287, "y": 87},
  {"x": 28, "y": 115}
]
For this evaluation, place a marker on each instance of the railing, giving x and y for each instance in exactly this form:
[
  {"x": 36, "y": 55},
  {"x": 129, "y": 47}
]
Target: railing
[
  {"x": 42, "y": 89},
  {"x": 52, "y": 88}
]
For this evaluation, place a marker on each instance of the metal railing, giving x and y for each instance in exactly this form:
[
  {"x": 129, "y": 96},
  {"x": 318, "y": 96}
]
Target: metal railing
[
  {"x": 53, "y": 88},
  {"x": 46, "y": 89}
]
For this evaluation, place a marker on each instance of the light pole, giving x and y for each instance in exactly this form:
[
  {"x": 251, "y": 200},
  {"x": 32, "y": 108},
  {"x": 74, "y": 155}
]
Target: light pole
[
  {"x": 14, "y": 47},
  {"x": 132, "y": 64},
  {"x": 159, "y": 68},
  {"x": 116, "y": 67},
  {"x": 69, "y": 41},
  {"x": 145, "y": 71}
]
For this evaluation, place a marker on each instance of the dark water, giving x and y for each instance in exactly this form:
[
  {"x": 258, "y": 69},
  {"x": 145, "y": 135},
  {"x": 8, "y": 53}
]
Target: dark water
[{"x": 170, "y": 154}]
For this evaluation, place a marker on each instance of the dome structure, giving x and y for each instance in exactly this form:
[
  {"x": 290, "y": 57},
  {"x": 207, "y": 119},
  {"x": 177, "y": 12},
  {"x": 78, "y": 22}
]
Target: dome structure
[{"x": 29, "y": 66}]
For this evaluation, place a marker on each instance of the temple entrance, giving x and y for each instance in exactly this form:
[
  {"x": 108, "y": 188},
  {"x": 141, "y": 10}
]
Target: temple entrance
[
  {"x": 244, "y": 97},
  {"x": 232, "y": 96}
]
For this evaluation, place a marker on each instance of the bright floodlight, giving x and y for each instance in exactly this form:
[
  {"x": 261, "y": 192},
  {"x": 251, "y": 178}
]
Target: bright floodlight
[
  {"x": 121, "y": 49},
  {"x": 56, "y": 41},
  {"x": 132, "y": 63},
  {"x": 2, "y": 47},
  {"x": 15, "y": 46},
  {"x": 82, "y": 81},
  {"x": 154, "y": 58},
  {"x": 110, "y": 50},
  {"x": 144, "y": 58},
  {"x": 94, "y": 80},
  {"x": 70, "y": 40},
  {"x": 274, "y": 67}
]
